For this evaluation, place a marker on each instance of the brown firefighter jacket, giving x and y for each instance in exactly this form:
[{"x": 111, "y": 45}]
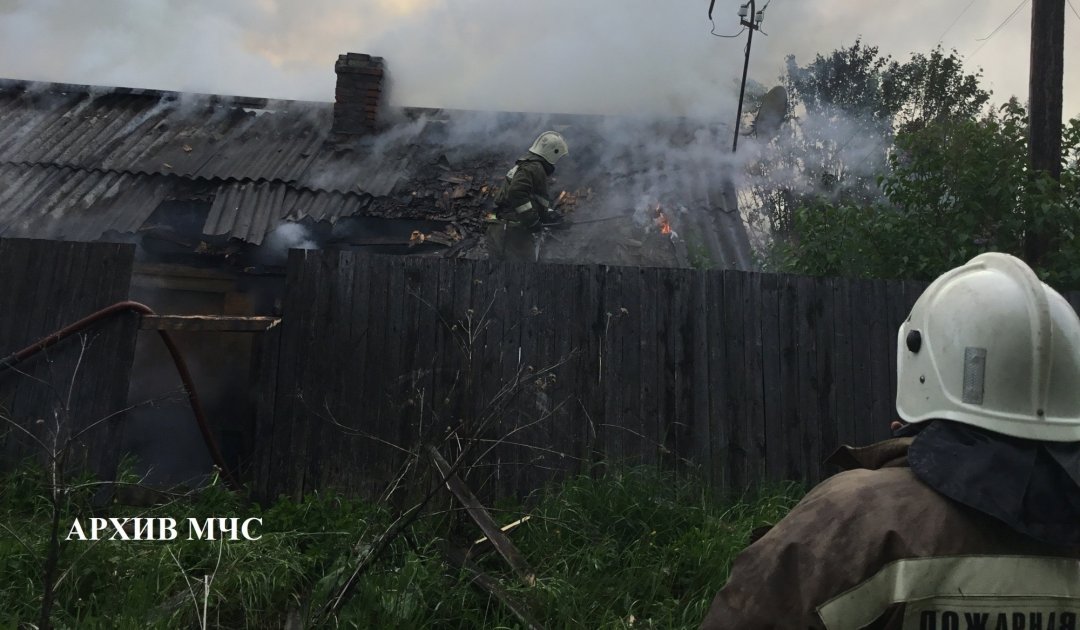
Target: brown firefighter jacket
[
  {"x": 873, "y": 547},
  {"x": 525, "y": 196}
]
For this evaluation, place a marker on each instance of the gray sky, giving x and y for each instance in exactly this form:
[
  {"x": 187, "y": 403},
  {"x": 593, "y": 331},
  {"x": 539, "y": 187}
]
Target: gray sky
[{"x": 556, "y": 55}]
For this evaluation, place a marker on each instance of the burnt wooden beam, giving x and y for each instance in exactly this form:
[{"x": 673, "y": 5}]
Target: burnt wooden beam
[
  {"x": 483, "y": 519},
  {"x": 459, "y": 558},
  {"x": 208, "y": 323}
]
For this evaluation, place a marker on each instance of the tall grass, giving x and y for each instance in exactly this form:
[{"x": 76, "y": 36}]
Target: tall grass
[{"x": 637, "y": 548}]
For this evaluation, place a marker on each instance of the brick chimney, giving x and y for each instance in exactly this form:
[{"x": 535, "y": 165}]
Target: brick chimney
[{"x": 359, "y": 93}]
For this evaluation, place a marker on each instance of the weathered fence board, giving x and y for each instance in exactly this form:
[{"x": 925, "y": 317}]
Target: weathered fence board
[
  {"x": 44, "y": 286},
  {"x": 740, "y": 377}
]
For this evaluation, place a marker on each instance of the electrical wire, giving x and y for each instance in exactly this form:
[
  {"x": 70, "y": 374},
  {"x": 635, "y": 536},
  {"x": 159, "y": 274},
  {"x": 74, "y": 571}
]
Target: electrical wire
[
  {"x": 953, "y": 23},
  {"x": 715, "y": 34},
  {"x": 1073, "y": 9},
  {"x": 1004, "y": 23}
]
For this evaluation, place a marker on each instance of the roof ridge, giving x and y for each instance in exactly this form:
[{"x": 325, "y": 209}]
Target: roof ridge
[{"x": 254, "y": 102}]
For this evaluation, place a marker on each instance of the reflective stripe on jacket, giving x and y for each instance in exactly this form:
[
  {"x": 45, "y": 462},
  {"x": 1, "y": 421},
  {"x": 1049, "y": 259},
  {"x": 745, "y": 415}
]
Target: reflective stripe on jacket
[{"x": 874, "y": 547}]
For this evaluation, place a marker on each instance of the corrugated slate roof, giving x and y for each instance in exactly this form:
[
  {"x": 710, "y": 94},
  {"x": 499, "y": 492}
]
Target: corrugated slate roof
[
  {"x": 79, "y": 161},
  {"x": 65, "y": 203},
  {"x": 251, "y": 210}
]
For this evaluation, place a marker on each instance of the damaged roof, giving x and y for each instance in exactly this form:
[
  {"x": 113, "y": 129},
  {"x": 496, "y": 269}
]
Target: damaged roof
[{"x": 78, "y": 162}]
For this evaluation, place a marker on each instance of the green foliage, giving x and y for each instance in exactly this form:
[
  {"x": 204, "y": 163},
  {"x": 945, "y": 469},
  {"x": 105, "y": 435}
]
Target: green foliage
[
  {"x": 138, "y": 584},
  {"x": 954, "y": 188},
  {"x": 845, "y": 110},
  {"x": 637, "y": 545}
]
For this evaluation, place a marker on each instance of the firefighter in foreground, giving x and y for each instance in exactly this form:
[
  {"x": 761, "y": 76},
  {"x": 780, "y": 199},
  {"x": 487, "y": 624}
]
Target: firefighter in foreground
[
  {"x": 970, "y": 518},
  {"x": 523, "y": 206}
]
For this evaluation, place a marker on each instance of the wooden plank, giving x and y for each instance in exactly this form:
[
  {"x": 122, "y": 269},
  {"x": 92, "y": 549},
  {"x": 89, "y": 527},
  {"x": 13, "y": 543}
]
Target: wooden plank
[
  {"x": 791, "y": 417},
  {"x": 844, "y": 402},
  {"x": 265, "y": 352},
  {"x": 512, "y": 375},
  {"x": 608, "y": 441},
  {"x": 459, "y": 559},
  {"x": 463, "y": 320},
  {"x": 862, "y": 383},
  {"x": 536, "y": 291},
  {"x": 26, "y": 404},
  {"x": 532, "y": 311},
  {"x": 289, "y": 422},
  {"x": 753, "y": 416},
  {"x": 483, "y": 519},
  {"x": 13, "y": 254},
  {"x": 549, "y": 434},
  {"x": 336, "y": 441},
  {"x": 315, "y": 370},
  {"x": 61, "y": 366},
  {"x": 491, "y": 410},
  {"x": 119, "y": 352},
  {"x": 378, "y": 422},
  {"x": 882, "y": 340},
  {"x": 37, "y": 400},
  {"x": 827, "y": 437},
  {"x": 898, "y": 311},
  {"x": 555, "y": 433},
  {"x": 622, "y": 440},
  {"x": 55, "y": 305},
  {"x": 699, "y": 451},
  {"x": 633, "y": 441},
  {"x": 413, "y": 403},
  {"x": 719, "y": 471},
  {"x": 593, "y": 346},
  {"x": 775, "y": 455},
  {"x": 216, "y": 323},
  {"x": 655, "y": 374},
  {"x": 397, "y": 391},
  {"x": 739, "y": 445},
  {"x": 667, "y": 300},
  {"x": 356, "y": 399},
  {"x": 687, "y": 338},
  {"x": 809, "y": 305},
  {"x": 101, "y": 376}
]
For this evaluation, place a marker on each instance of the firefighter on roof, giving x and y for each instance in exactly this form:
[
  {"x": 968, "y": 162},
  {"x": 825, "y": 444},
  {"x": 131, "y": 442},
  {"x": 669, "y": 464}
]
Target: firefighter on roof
[
  {"x": 970, "y": 518},
  {"x": 523, "y": 205}
]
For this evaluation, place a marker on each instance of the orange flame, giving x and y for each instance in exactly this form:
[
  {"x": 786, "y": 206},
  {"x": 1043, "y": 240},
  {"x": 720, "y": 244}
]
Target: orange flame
[{"x": 662, "y": 221}]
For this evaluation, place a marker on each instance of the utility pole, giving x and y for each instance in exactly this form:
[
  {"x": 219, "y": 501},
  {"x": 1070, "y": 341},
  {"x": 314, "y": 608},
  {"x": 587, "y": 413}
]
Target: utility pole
[
  {"x": 1044, "y": 84},
  {"x": 1044, "y": 101},
  {"x": 753, "y": 24}
]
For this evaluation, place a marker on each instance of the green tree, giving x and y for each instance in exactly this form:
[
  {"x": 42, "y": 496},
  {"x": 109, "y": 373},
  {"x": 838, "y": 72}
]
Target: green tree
[
  {"x": 955, "y": 187},
  {"x": 845, "y": 111}
]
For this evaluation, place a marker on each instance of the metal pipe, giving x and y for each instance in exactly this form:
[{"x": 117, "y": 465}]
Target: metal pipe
[{"x": 181, "y": 367}]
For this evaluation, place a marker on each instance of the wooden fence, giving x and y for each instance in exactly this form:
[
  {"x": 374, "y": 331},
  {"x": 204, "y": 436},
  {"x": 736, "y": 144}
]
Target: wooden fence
[
  {"x": 545, "y": 370},
  {"x": 740, "y": 376},
  {"x": 45, "y": 285}
]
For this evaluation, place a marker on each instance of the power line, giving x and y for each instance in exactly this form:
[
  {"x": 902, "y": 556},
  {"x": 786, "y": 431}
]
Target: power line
[
  {"x": 1007, "y": 20},
  {"x": 955, "y": 20},
  {"x": 1073, "y": 9},
  {"x": 715, "y": 34},
  {"x": 1003, "y": 24}
]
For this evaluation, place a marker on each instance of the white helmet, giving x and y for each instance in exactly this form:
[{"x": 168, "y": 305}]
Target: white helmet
[
  {"x": 550, "y": 146},
  {"x": 989, "y": 345}
]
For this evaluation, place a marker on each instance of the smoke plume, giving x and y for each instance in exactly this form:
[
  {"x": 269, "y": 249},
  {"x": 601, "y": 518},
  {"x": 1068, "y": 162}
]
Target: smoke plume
[{"x": 626, "y": 57}]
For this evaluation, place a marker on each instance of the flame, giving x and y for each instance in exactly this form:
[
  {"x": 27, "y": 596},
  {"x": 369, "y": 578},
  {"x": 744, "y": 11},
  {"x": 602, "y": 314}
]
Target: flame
[{"x": 662, "y": 221}]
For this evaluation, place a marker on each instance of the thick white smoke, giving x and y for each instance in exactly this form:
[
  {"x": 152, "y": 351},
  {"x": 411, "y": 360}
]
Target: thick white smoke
[{"x": 601, "y": 56}]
